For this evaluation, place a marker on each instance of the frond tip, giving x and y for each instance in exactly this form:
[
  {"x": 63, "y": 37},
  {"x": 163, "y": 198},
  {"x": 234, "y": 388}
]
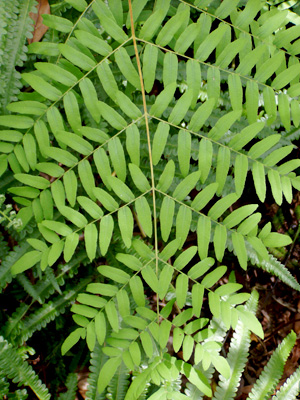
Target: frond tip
[
  {"x": 271, "y": 374},
  {"x": 290, "y": 389}
]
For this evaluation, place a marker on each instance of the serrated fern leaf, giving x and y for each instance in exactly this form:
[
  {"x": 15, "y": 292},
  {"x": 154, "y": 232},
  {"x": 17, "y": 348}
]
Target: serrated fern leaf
[
  {"x": 48, "y": 312},
  {"x": 13, "y": 325},
  {"x": 3, "y": 247},
  {"x": 290, "y": 389},
  {"x": 8, "y": 261},
  {"x": 273, "y": 266},
  {"x": 51, "y": 283},
  {"x": 271, "y": 374},
  {"x": 17, "y": 26},
  {"x": 72, "y": 385},
  {"x": 4, "y": 385},
  {"x": 15, "y": 368},
  {"x": 28, "y": 287},
  {"x": 118, "y": 386},
  {"x": 97, "y": 361}
]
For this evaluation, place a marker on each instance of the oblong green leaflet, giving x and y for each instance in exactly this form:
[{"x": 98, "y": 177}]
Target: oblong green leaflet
[
  {"x": 42, "y": 87},
  {"x": 90, "y": 207},
  {"x": 149, "y": 66},
  {"x": 126, "y": 67},
  {"x": 106, "y": 199},
  {"x": 27, "y": 261},
  {"x": 105, "y": 232},
  {"x": 159, "y": 141},
  {"x": 184, "y": 151},
  {"x": 16, "y": 121},
  {"x": 139, "y": 179},
  {"x": 87, "y": 178},
  {"x": 27, "y": 107},
  {"x": 127, "y": 106},
  {"x": 183, "y": 224},
  {"x": 166, "y": 217},
  {"x": 121, "y": 189},
  {"x": 70, "y": 245},
  {"x": 166, "y": 177},
  {"x": 37, "y": 182},
  {"x": 55, "y": 252},
  {"x": 58, "y": 23},
  {"x": 117, "y": 157},
  {"x": 57, "y": 73},
  {"x": 144, "y": 215},
  {"x": 163, "y": 99},
  {"x": 76, "y": 142},
  {"x": 74, "y": 216},
  {"x": 76, "y": 57},
  {"x": 93, "y": 42},
  {"x": 91, "y": 240},
  {"x": 133, "y": 144},
  {"x": 90, "y": 98},
  {"x": 58, "y": 227},
  {"x": 70, "y": 185},
  {"x": 125, "y": 221}
]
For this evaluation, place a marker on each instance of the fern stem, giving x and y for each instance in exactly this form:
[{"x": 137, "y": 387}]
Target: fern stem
[{"x": 149, "y": 144}]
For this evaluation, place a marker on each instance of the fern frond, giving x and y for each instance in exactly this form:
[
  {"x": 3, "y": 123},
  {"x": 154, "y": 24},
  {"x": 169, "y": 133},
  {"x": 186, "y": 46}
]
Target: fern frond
[
  {"x": 72, "y": 385},
  {"x": 28, "y": 287},
  {"x": 4, "y": 385},
  {"x": 290, "y": 389},
  {"x": 19, "y": 394},
  {"x": 9, "y": 260},
  {"x": 273, "y": 266},
  {"x": 17, "y": 27},
  {"x": 97, "y": 361},
  {"x": 4, "y": 249},
  {"x": 48, "y": 312},
  {"x": 15, "y": 368},
  {"x": 140, "y": 135},
  {"x": 13, "y": 325},
  {"x": 271, "y": 374},
  {"x": 118, "y": 386},
  {"x": 50, "y": 282}
]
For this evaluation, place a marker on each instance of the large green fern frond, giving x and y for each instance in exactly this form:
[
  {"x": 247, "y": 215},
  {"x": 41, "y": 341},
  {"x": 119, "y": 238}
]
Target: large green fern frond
[
  {"x": 271, "y": 374},
  {"x": 97, "y": 158},
  {"x": 16, "y": 26},
  {"x": 97, "y": 361},
  {"x": 275, "y": 267},
  {"x": 290, "y": 389},
  {"x": 72, "y": 385}
]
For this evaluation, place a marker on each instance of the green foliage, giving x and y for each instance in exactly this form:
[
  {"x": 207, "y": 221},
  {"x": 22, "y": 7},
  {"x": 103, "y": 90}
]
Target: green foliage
[
  {"x": 15, "y": 27},
  {"x": 71, "y": 385},
  {"x": 146, "y": 122},
  {"x": 13, "y": 367}
]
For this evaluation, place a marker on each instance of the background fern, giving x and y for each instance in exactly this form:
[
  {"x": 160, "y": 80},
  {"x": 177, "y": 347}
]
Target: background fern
[
  {"x": 16, "y": 25},
  {"x": 140, "y": 126}
]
